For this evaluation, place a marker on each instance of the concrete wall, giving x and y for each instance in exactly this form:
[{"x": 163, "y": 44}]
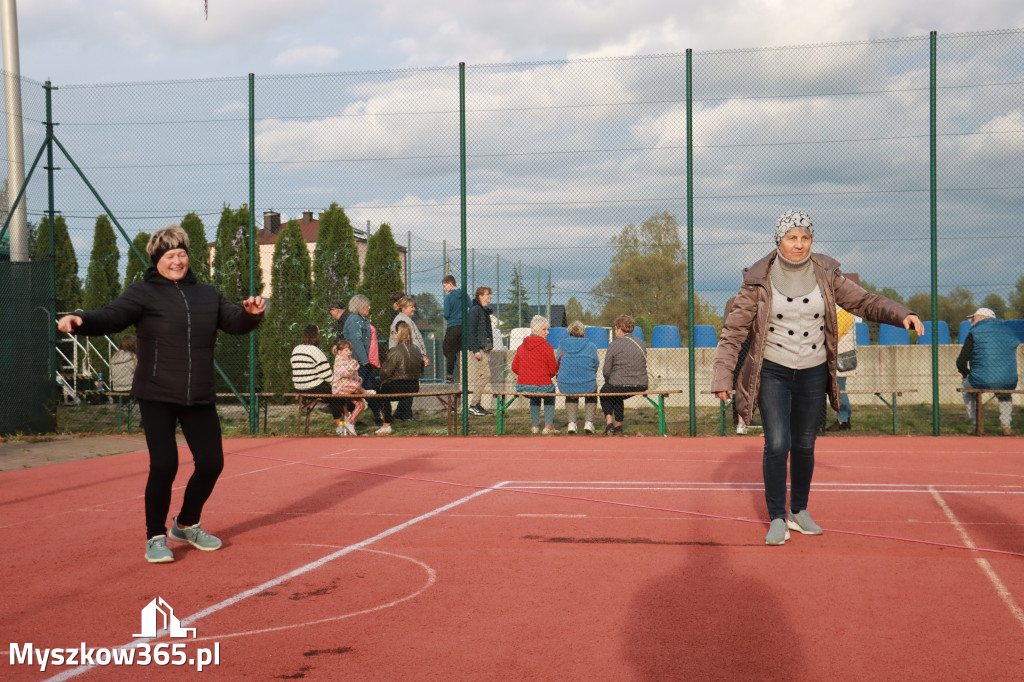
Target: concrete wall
[{"x": 879, "y": 368}]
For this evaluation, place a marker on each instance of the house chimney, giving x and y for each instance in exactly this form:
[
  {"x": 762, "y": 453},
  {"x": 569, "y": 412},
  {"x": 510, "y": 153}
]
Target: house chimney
[
  {"x": 307, "y": 216},
  {"x": 271, "y": 222}
]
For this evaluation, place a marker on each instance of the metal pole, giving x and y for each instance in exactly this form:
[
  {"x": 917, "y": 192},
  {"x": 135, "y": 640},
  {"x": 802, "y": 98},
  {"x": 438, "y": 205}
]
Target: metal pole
[
  {"x": 462, "y": 202},
  {"x": 15, "y": 135},
  {"x": 548, "y": 315},
  {"x": 932, "y": 160},
  {"x": 538, "y": 291},
  {"x": 444, "y": 258},
  {"x": 689, "y": 243},
  {"x": 408, "y": 272},
  {"x": 254, "y": 417},
  {"x": 497, "y": 287}
]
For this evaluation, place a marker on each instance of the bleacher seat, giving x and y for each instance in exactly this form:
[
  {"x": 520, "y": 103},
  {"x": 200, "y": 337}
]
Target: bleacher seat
[
  {"x": 638, "y": 334},
  {"x": 556, "y": 334},
  {"x": 863, "y": 333},
  {"x": 889, "y": 335},
  {"x": 943, "y": 335},
  {"x": 965, "y": 329},
  {"x": 665, "y": 336},
  {"x": 1018, "y": 328},
  {"x": 704, "y": 336},
  {"x": 598, "y": 336}
]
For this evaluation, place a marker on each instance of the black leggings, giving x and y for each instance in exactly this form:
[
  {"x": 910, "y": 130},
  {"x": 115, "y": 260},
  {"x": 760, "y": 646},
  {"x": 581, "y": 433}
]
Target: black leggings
[
  {"x": 201, "y": 428},
  {"x": 613, "y": 404}
]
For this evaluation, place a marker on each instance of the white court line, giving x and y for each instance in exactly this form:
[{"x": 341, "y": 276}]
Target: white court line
[
  {"x": 231, "y": 601},
  {"x": 982, "y": 562}
]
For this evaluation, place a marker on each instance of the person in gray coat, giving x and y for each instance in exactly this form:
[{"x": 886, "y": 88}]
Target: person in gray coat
[{"x": 625, "y": 371}]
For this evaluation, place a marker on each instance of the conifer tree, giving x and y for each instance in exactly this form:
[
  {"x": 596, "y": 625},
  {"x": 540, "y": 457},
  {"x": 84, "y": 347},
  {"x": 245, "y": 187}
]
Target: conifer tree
[
  {"x": 335, "y": 264},
  {"x": 517, "y": 312},
  {"x": 68, "y": 286},
  {"x": 136, "y": 268},
  {"x": 286, "y": 315},
  {"x": 198, "y": 248},
  {"x": 382, "y": 275},
  {"x": 231, "y": 276},
  {"x": 102, "y": 283}
]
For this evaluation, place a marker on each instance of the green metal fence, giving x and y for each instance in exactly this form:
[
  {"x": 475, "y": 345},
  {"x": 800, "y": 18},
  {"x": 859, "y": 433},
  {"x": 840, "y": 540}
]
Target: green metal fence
[{"x": 574, "y": 189}]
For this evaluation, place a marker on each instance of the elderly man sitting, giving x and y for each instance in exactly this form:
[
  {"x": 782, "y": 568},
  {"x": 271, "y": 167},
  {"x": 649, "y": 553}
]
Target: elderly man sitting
[{"x": 988, "y": 359}]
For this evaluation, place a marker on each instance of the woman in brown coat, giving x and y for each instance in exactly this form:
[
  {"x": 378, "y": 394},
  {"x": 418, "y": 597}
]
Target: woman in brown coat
[{"x": 787, "y": 304}]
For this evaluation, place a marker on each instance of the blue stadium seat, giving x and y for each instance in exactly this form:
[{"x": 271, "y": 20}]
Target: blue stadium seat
[
  {"x": 943, "y": 335},
  {"x": 638, "y": 334},
  {"x": 665, "y": 336},
  {"x": 556, "y": 334},
  {"x": 1017, "y": 326},
  {"x": 704, "y": 336},
  {"x": 598, "y": 336},
  {"x": 965, "y": 329},
  {"x": 889, "y": 335},
  {"x": 863, "y": 333}
]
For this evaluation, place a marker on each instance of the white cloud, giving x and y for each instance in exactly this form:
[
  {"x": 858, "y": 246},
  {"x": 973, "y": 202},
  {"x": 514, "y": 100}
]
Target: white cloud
[{"x": 306, "y": 57}]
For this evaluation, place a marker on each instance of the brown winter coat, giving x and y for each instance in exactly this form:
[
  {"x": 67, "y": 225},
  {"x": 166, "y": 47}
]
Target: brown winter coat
[{"x": 752, "y": 308}]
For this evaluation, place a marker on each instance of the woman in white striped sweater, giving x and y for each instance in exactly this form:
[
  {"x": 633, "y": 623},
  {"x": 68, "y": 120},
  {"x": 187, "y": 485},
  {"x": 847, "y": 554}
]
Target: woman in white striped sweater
[{"x": 311, "y": 373}]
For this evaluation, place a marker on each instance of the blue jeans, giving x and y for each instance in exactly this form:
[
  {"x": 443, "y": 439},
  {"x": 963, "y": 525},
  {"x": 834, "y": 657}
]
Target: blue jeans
[
  {"x": 549, "y": 403},
  {"x": 790, "y": 403},
  {"x": 845, "y": 412}
]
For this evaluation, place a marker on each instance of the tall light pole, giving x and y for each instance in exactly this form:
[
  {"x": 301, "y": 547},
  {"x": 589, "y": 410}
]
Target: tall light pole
[{"x": 15, "y": 139}]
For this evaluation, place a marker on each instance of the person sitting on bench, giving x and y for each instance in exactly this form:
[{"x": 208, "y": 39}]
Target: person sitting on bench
[{"x": 988, "y": 359}]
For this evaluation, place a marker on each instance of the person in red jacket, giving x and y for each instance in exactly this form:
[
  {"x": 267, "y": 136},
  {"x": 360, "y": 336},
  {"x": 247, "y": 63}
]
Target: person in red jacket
[{"x": 535, "y": 366}]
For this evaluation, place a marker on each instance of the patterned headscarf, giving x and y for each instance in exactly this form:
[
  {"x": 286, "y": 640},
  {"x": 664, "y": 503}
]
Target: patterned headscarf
[{"x": 790, "y": 219}]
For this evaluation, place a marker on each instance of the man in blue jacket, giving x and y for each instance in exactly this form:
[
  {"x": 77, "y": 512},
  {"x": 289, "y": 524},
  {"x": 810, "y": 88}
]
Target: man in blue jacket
[
  {"x": 988, "y": 359},
  {"x": 452, "y": 310}
]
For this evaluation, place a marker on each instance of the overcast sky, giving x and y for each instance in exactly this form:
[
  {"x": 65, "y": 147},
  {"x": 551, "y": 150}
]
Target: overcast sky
[
  {"x": 566, "y": 153},
  {"x": 103, "y": 41}
]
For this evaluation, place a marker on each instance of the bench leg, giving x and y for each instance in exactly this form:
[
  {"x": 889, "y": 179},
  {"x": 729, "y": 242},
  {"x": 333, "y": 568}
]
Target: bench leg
[{"x": 977, "y": 415}]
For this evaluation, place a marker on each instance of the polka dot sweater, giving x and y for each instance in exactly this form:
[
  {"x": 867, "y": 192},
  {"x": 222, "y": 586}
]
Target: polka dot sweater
[{"x": 796, "y": 330}]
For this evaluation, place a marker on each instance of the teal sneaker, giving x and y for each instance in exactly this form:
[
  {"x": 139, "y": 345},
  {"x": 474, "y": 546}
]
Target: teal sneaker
[
  {"x": 195, "y": 536},
  {"x": 802, "y": 522},
  {"x": 777, "y": 533},
  {"x": 157, "y": 551}
]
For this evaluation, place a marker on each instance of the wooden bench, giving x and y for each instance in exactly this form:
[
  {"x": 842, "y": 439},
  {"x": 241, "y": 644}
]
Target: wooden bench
[
  {"x": 505, "y": 398},
  {"x": 126, "y": 403},
  {"x": 978, "y": 392},
  {"x": 308, "y": 401},
  {"x": 878, "y": 394}
]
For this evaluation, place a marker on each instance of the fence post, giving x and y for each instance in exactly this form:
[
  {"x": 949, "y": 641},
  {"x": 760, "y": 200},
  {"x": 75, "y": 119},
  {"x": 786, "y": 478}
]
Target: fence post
[
  {"x": 462, "y": 202},
  {"x": 932, "y": 160},
  {"x": 254, "y": 418},
  {"x": 689, "y": 241}
]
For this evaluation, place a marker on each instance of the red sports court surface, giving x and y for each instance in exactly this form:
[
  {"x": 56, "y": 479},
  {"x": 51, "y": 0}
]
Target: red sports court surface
[{"x": 568, "y": 558}]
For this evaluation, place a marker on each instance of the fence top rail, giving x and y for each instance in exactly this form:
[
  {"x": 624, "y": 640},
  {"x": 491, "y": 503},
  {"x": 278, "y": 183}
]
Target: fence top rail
[{"x": 366, "y": 395}]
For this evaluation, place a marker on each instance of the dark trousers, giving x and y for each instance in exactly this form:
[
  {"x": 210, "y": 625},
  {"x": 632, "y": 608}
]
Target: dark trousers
[
  {"x": 201, "y": 428},
  {"x": 336, "y": 405},
  {"x": 368, "y": 373},
  {"x": 613, "y": 404},
  {"x": 452, "y": 347},
  {"x": 397, "y": 386},
  {"x": 790, "y": 402}
]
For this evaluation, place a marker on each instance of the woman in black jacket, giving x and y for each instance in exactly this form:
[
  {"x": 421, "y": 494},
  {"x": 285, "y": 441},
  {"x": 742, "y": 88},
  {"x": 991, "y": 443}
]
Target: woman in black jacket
[
  {"x": 400, "y": 372},
  {"x": 176, "y": 320}
]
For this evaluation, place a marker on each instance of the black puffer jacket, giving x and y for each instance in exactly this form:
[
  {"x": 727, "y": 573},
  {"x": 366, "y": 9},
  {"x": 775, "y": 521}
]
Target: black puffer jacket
[
  {"x": 176, "y": 324},
  {"x": 478, "y": 328}
]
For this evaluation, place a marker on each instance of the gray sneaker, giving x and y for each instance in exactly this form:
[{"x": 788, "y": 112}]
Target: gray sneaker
[
  {"x": 157, "y": 551},
  {"x": 777, "y": 533},
  {"x": 195, "y": 536},
  {"x": 802, "y": 522}
]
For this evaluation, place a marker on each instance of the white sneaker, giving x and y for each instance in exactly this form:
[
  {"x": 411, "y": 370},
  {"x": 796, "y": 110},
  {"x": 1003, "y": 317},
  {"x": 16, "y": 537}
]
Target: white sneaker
[
  {"x": 741, "y": 429},
  {"x": 549, "y": 429},
  {"x": 571, "y": 428},
  {"x": 341, "y": 430},
  {"x": 384, "y": 430},
  {"x": 588, "y": 427},
  {"x": 535, "y": 429},
  {"x": 351, "y": 429}
]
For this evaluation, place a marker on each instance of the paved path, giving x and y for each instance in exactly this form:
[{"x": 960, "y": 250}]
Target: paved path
[{"x": 25, "y": 455}]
